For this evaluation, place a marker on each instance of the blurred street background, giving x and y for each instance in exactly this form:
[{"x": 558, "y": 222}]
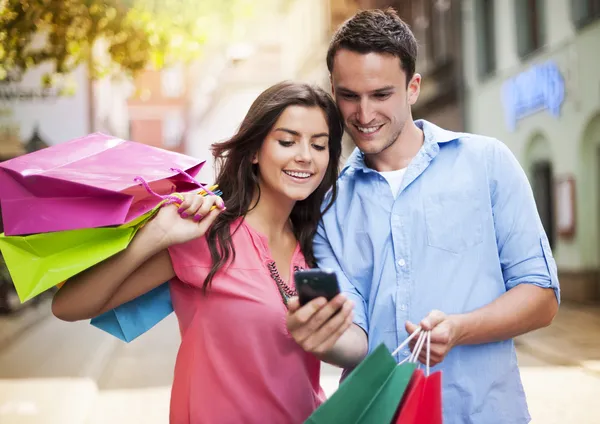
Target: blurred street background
[{"x": 181, "y": 74}]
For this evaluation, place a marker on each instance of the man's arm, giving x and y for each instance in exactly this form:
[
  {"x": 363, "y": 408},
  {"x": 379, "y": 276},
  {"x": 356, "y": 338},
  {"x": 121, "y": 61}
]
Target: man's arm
[
  {"x": 520, "y": 310},
  {"x": 528, "y": 268},
  {"x": 337, "y": 339}
]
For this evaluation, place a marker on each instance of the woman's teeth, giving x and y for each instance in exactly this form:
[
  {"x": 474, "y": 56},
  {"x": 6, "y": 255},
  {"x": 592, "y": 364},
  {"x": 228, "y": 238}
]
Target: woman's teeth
[{"x": 298, "y": 174}]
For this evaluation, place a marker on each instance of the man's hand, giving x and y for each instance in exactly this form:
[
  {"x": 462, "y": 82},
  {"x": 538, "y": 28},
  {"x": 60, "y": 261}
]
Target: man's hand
[
  {"x": 444, "y": 336},
  {"x": 315, "y": 326}
]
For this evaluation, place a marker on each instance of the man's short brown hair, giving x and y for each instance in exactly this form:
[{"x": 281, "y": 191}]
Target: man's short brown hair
[{"x": 376, "y": 31}]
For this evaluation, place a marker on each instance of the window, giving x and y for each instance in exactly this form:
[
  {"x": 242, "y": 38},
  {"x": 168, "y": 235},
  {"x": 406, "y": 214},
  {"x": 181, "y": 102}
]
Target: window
[
  {"x": 442, "y": 30},
  {"x": 173, "y": 130},
  {"x": 172, "y": 81},
  {"x": 543, "y": 193},
  {"x": 421, "y": 24},
  {"x": 584, "y": 11},
  {"x": 434, "y": 24},
  {"x": 486, "y": 38},
  {"x": 530, "y": 25}
]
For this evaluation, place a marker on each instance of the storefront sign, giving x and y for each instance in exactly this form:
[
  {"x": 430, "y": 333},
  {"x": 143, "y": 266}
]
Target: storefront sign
[{"x": 542, "y": 87}]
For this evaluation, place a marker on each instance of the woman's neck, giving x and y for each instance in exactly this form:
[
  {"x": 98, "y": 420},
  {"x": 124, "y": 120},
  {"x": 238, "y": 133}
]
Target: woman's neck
[{"x": 270, "y": 215}]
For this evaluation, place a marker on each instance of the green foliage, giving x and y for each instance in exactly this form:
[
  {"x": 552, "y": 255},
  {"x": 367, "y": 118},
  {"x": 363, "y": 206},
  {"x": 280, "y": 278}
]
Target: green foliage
[{"x": 132, "y": 33}]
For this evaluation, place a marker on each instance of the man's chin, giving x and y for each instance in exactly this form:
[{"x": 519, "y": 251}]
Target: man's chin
[{"x": 369, "y": 147}]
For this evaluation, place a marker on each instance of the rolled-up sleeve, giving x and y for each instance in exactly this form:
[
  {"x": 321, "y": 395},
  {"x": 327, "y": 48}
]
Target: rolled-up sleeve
[
  {"x": 523, "y": 247},
  {"x": 326, "y": 259}
]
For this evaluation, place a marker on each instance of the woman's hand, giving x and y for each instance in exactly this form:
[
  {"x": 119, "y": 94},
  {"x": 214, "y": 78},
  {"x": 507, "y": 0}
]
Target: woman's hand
[{"x": 175, "y": 225}]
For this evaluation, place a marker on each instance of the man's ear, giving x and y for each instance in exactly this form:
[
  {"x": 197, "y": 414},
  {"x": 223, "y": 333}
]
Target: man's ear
[
  {"x": 331, "y": 82},
  {"x": 414, "y": 89}
]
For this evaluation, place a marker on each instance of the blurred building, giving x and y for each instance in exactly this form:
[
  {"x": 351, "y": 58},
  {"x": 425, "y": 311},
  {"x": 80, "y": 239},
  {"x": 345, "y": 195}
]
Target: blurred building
[
  {"x": 157, "y": 108},
  {"x": 33, "y": 116},
  {"x": 532, "y": 72}
]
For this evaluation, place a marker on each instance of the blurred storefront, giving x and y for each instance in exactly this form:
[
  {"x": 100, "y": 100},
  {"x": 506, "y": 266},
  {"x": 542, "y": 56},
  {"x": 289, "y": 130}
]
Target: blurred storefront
[
  {"x": 33, "y": 117},
  {"x": 533, "y": 81}
]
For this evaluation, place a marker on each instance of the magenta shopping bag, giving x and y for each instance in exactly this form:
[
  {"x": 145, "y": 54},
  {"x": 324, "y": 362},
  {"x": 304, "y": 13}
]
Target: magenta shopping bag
[{"x": 88, "y": 182}]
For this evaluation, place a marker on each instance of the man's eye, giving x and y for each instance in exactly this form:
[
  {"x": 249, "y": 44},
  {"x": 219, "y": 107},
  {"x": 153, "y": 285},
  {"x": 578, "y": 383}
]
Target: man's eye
[
  {"x": 286, "y": 143},
  {"x": 349, "y": 96},
  {"x": 382, "y": 96}
]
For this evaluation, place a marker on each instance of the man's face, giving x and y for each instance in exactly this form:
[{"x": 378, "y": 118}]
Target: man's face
[{"x": 371, "y": 92}]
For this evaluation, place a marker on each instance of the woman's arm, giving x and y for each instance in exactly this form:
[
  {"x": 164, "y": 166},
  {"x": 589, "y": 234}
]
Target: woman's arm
[{"x": 144, "y": 265}]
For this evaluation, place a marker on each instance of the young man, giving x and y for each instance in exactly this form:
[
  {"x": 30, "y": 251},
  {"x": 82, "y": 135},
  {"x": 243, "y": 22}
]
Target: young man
[{"x": 430, "y": 227}]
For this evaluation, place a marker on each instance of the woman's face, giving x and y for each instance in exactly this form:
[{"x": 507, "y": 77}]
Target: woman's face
[{"x": 293, "y": 158}]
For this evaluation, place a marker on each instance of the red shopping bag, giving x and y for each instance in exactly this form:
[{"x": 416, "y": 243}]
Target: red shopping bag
[
  {"x": 408, "y": 410},
  {"x": 88, "y": 182},
  {"x": 430, "y": 411},
  {"x": 422, "y": 401}
]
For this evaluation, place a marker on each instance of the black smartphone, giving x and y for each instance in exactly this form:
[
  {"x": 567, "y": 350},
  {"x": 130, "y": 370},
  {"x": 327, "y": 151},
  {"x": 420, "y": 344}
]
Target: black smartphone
[{"x": 313, "y": 283}]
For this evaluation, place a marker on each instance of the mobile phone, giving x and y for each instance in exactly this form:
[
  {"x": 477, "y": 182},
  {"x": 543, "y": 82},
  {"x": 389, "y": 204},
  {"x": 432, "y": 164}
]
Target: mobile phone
[{"x": 313, "y": 283}]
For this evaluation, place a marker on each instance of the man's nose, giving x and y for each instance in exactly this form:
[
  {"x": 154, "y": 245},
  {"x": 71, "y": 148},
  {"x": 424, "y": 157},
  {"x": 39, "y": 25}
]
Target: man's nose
[{"x": 365, "y": 112}]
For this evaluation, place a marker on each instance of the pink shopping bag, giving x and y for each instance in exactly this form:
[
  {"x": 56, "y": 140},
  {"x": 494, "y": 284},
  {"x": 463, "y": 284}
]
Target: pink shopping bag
[{"x": 88, "y": 182}]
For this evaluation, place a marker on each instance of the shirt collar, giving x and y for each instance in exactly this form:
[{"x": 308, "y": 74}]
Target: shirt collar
[{"x": 434, "y": 136}]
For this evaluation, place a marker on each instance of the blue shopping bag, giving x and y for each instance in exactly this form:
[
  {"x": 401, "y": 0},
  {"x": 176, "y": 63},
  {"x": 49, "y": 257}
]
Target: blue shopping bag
[{"x": 134, "y": 318}]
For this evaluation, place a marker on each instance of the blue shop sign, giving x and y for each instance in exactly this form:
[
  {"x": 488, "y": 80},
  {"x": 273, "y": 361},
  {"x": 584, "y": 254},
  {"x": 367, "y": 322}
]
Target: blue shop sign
[{"x": 542, "y": 87}]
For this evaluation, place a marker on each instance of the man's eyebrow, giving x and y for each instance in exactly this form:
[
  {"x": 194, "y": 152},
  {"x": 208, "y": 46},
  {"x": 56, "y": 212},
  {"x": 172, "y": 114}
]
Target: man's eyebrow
[
  {"x": 385, "y": 89},
  {"x": 297, "y": 134}
]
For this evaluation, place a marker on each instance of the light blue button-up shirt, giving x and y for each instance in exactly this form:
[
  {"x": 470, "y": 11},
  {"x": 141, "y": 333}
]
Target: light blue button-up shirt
[{"x": 462, "y": 230}]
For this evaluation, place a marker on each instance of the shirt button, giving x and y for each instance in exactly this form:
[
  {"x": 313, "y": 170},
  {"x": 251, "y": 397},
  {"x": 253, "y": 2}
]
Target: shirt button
[
  {"x": 403, "y": 307},
  {"x": 406, "y": 352},
  {"x": 396, "y": 218},
  {"x": 401, "y": 262}
]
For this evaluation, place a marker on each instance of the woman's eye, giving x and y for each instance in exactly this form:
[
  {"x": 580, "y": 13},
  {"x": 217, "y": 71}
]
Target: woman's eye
[
  {"x": 286, "y": 143},
  {"x": 319, "y": 147}
]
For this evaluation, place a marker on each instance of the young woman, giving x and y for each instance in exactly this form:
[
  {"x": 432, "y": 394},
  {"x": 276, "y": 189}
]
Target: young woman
[{"x": 231, "y": 267}]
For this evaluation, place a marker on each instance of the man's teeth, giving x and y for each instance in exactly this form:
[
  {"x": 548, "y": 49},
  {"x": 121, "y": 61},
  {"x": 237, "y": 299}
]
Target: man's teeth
[
  {"x": 298, "y": 174},
  {"x": 368, "y": 130}
]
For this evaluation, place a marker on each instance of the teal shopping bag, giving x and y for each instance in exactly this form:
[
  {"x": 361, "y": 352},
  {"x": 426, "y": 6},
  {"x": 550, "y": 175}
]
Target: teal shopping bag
[{"x": 134, "y": 318}]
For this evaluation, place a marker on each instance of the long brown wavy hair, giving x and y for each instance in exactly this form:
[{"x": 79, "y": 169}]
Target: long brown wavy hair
[{"x": 237, "y": 176}]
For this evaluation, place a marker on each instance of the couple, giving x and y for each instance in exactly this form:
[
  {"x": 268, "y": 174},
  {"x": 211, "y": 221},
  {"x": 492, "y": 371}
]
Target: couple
[{"x": 421, "y": 220}]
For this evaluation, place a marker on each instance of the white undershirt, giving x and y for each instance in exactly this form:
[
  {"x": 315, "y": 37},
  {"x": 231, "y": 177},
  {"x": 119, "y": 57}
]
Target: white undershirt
[{"x": 394, "y": 179}]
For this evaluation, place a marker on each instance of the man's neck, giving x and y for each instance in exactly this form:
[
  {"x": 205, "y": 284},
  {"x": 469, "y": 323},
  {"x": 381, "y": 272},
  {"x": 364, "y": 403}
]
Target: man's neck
[{"x": 401, "y": 153}]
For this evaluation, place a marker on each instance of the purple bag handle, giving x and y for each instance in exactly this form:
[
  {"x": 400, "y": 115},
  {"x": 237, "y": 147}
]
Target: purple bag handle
[{"x": 169, "y": 198}]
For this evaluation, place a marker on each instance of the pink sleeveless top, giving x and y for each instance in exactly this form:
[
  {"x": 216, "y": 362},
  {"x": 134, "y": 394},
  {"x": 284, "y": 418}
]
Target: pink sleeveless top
[{"x": 237, "y": 362}]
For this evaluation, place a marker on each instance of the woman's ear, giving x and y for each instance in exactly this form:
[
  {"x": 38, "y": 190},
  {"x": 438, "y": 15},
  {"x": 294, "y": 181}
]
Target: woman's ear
[{"x": 255, "y": 158}]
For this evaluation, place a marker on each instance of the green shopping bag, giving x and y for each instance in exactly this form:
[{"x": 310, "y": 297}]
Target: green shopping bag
[
  {"x": 370, "y": 394},
  {"x": 39, "y": 262}
]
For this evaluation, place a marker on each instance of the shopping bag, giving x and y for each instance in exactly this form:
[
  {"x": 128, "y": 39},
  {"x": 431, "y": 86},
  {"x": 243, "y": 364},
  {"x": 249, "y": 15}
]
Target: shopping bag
[
  {"x": 134, "y": 318},
  {"x": 88, "y": 182},
  {"x": 370, "y": 394},
  {"x": 422, "y": 400},
  {"x": 408, "y": 410},
  {"x": 39, "y": 262}
]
